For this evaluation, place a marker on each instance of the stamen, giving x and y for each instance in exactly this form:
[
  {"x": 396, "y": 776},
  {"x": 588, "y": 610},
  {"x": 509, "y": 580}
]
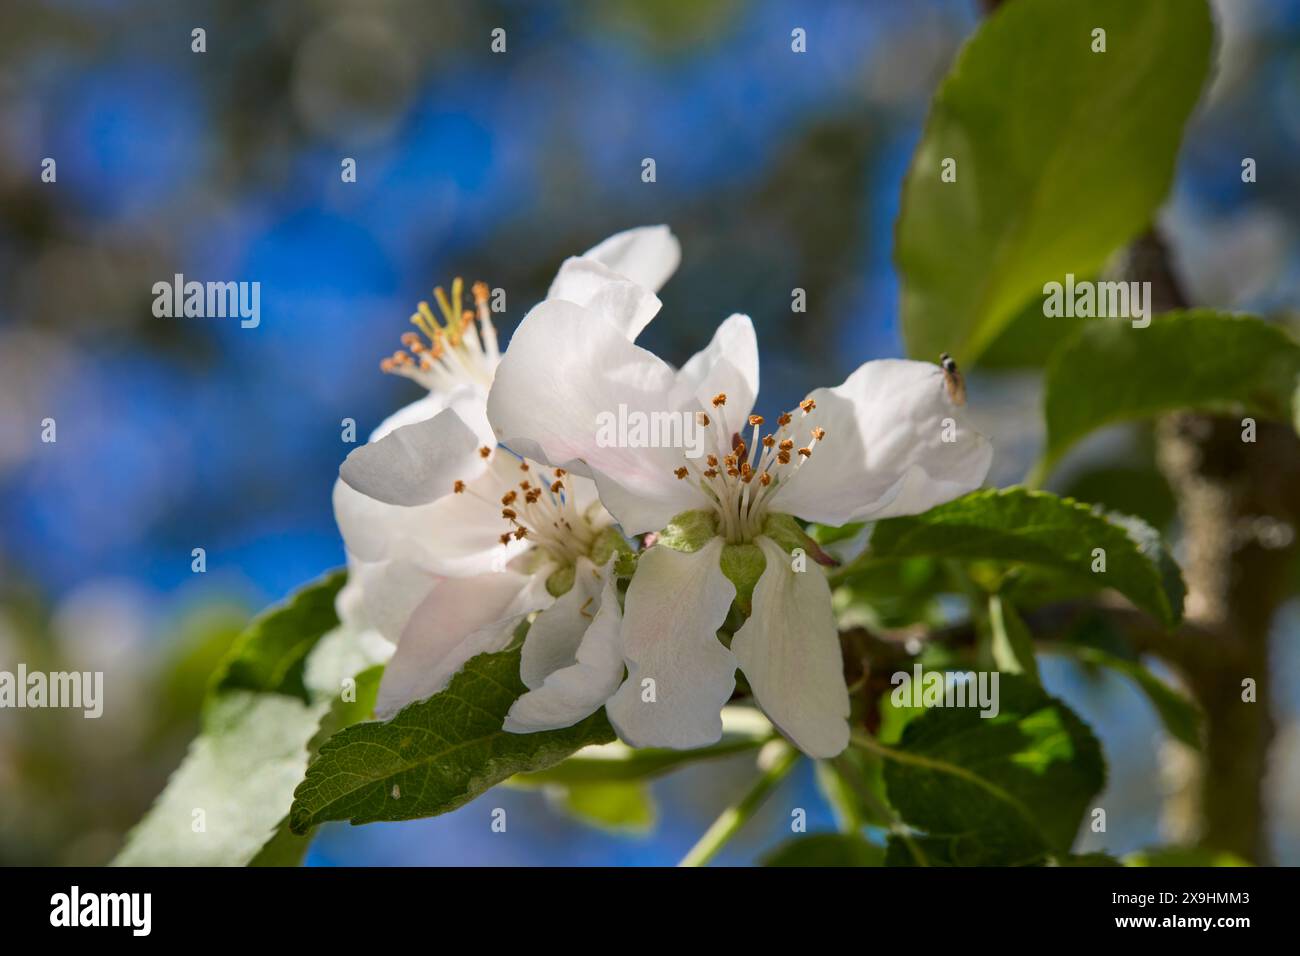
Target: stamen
[
  {"x": 681, "y": 473},
  {"x": 458, "y": 487},
  {"x": 720, "y": 399}
]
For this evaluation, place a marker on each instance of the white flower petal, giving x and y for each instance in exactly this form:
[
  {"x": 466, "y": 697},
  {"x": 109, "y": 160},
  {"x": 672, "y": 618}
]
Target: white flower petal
[
  {"x": 416, "y": 464},
  {"x": 728, "y": 365},
  {"x": 382, "y": 595},
  {"x": 370, "y": 528},
  {"x": 789, "y": 650},
  {"x": 615, "y": 299},
  {"x": 648, "y": 255},
  {"x": 884, "y": 452},
  {"x": 573, "y": 692},
  {"x": 674, "y": 607},
  {"x": 553, "y": 638},
  {"x": 422, "y": 409},
  {"x": 561, "y": 379},
  {"x": 469, "y": 400},
  {"x": 459, "y": 619},
  {"x": 460, "y": 535}
]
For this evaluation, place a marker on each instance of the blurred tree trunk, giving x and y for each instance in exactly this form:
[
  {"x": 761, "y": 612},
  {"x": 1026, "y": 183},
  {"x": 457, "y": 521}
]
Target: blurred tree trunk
[{"x": 1239, "y": 503}]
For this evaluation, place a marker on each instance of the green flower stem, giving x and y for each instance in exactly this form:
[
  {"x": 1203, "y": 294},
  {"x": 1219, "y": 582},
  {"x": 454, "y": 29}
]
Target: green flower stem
[{"x": 735, "y": 816}]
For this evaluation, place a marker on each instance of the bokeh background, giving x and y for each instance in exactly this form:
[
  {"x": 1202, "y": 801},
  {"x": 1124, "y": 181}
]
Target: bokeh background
[{"x": 776, "y": 170}]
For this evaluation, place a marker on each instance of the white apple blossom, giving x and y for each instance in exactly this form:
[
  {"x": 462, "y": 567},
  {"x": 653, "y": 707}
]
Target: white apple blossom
[
  {"x": 891, "y": 440},
  {"x": 452, "y": 541}
]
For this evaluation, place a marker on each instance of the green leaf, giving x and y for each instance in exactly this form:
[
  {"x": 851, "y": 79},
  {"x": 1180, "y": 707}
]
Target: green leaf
[
  {"x": 618, "y": 763},
  {"x": 1183, "y": 856},
  {"x": 1109, "y": 372},
  {"x": 1009, "y": 789},
  {"x": 1140, "y": 490},
  {"x": 256, "y": 738},
  {"x": 1063, "y": 155},
  {"x": 270, "y": 654},
  {"x": 1013, "y": 648},
  {"x": 1038, "y": 529},
  {"x": 617, "y": 807},
  {"x": 1180, "y": 715},
  {"x": 825, "y": 849},
  {"x": 437, "y": 754},
  {"x": 287, "y": 848},
  {"x": 235, "y": 783}
]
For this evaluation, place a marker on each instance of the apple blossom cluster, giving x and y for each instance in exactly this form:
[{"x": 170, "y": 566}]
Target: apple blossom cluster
[{"x": 646, "y": 573}]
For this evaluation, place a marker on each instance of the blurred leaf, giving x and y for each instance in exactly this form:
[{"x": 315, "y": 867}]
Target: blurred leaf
[
  {"x": 1141, "y": 491},
  {"x": 253, "y": 747},
  {"x": 1063, "y": 155},
  {"x": 1013, "y": 648},
  {"x": 436, "y": 754},
  {"x": 825, "y": 849},
  {"x": 619, "y": 807},
  {"x": 1029, "y": 337},
  {"x": 1009, "y": 789},
  {"x": 1183, "y": 856},
  {"x": 1180, "y": 715},
  {"x": 888, "y": 596},
  {"x": 1018, "y": 526},
  {"x": 270, "y": 654},
  {"x": 1209, "y": 361},
  {"x": 236, "y": 781},
  {"x": 287, "y": 848}
]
